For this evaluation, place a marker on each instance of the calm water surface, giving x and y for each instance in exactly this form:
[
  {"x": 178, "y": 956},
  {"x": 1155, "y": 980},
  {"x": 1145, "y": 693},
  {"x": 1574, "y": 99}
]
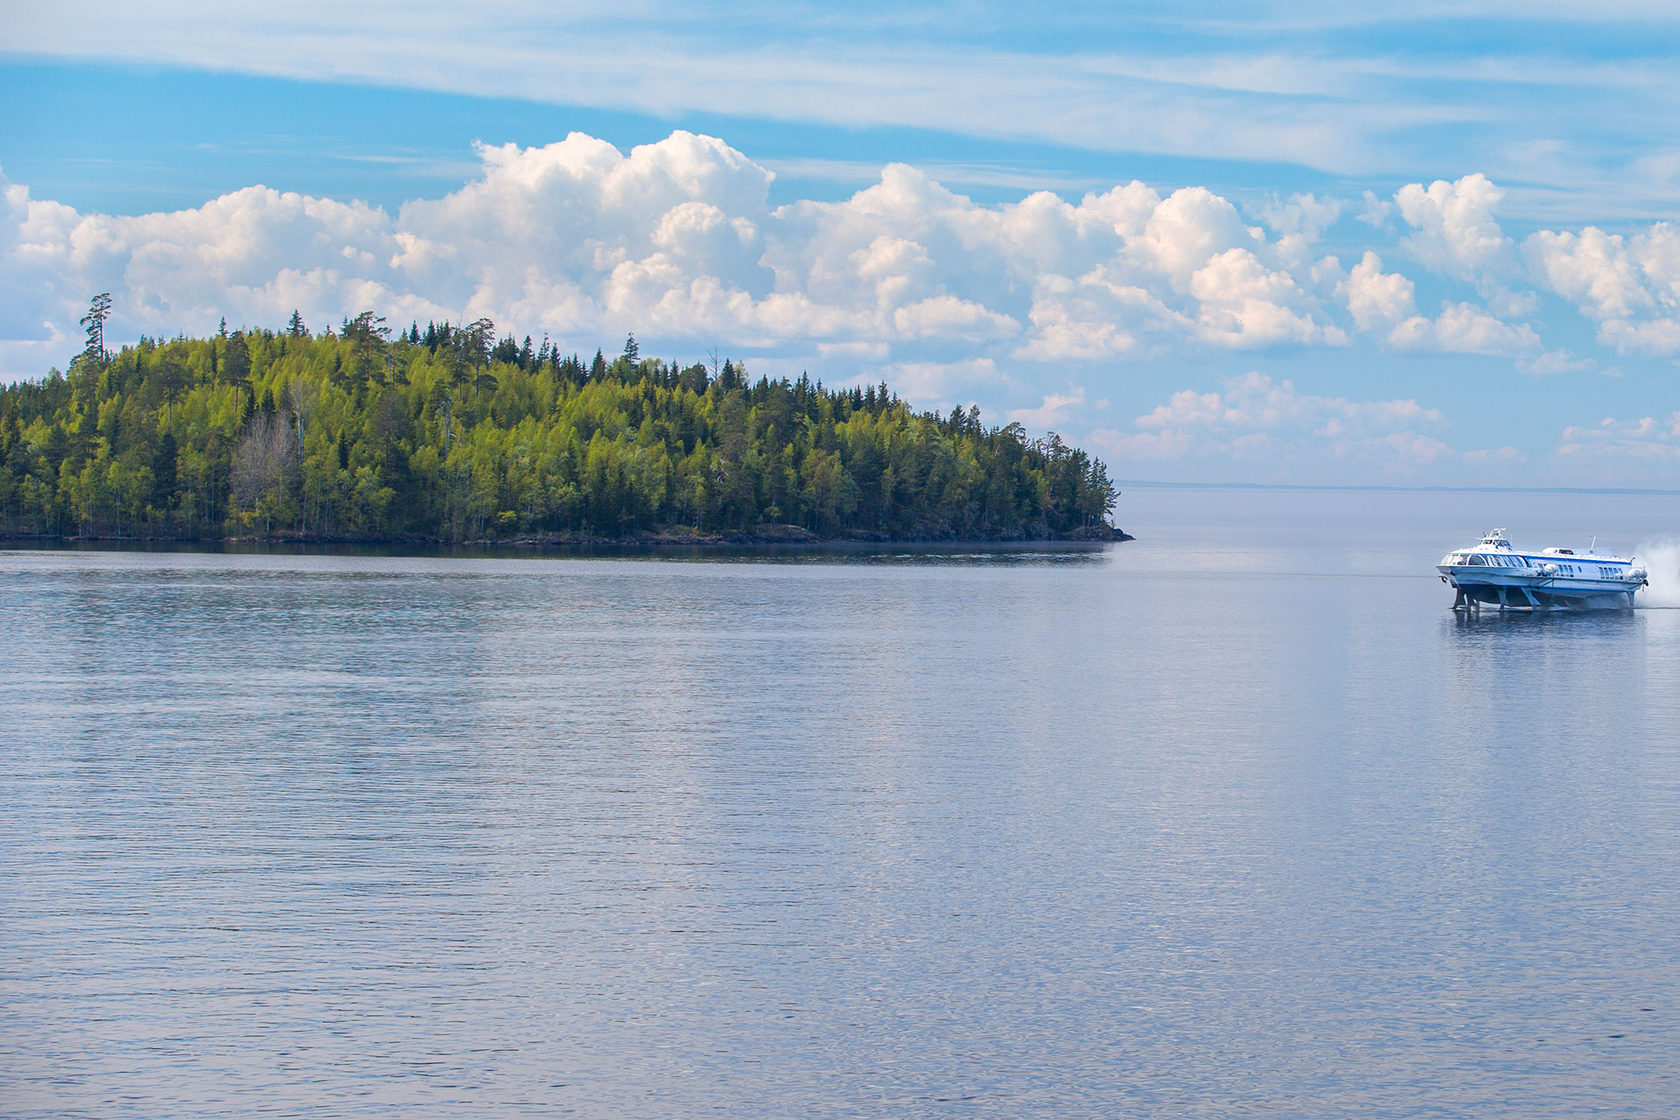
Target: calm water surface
[{"x": 1234, "y": 820}]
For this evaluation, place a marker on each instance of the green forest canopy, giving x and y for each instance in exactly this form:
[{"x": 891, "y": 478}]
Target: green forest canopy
[{"x": 447, "y": 434}]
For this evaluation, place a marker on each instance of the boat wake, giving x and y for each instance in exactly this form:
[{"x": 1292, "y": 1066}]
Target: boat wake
[{"x": 1662, "y": 565}]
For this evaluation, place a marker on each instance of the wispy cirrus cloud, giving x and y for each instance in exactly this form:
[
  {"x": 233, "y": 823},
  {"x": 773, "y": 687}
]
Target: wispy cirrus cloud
[{"x": 1575, "y": 121}]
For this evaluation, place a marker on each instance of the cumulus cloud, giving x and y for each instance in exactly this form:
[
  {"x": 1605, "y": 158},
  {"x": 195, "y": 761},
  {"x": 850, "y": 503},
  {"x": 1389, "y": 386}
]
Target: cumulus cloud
[
  {"x": 939, "y": 384},
  {"x": 1463, "y": 329},
  {"x": 1257, "y": 423},
  {"x": 1255, "y": 400},
  {"x": 1612, "y": 444},
  {"x": 1630, "y": 285},
  {"x": 1455, "y": 230},
  {"x": 1592, "y": 268},
  {"x": 677, "y": 240},
  {"x": 1304, "y": 215},
  {"x": 1058, "y": 408},
  {"x": 1377, "y": 300},
  {"x": 1245, "y": 304},
  {"x": 1254, "y": 403},
  {"x": 1096, "y": 316},
  {"x": 1555, "y": 361},
  {"x": 904, "y": 280},
  {"x": 1255, "y": 415}
]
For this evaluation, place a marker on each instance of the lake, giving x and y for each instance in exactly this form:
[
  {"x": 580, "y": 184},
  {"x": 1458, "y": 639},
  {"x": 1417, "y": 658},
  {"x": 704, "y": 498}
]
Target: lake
[{"x": 1237, "y": 819}]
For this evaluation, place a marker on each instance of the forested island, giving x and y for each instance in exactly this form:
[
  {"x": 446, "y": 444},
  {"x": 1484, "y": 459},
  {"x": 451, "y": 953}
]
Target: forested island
[{"x": 447, "y": 434}]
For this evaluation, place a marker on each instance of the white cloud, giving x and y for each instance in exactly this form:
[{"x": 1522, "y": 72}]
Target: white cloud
[
  {"x": 1162, "y": 445},
  {"x": 1630, "y": 285},
  {"x": 1555, "y": 361},
  {"x": 1377, "y": 300},
  {"x": 1648, "y": 336},
  {"x": 904, "y": 280},
  {"x": 1494, "y": 457},
  {"x": 1245, "y": 304},
  {"x": 1636, "y": 442},
  {"x": 1254, "y": 400},
  {"x": 1254, "y": 417},
  {"x": 1397, "y": 448},
  {"x": 1593, "y": 269},
  {"x": 1456, "y": 231},
  {"x": 1190, "y": 408},
  {"x": 1096, "y": 316},
  {"x": 1376, "y": 212},
  {"x": 1058, "y": 408},
  {"x": 677, "y": 241},
  {"x": 936, "y": 384},
  {"x": 1189, "y": 229},
  {"x": 1463, "y": 329},
  {"x": 946, "y": 316},
  {"x": 1303, "y": 215}
]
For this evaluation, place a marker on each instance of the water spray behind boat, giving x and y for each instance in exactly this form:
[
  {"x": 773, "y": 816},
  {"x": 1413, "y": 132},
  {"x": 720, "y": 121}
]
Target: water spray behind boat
[{"x": 1662, "y": 564}]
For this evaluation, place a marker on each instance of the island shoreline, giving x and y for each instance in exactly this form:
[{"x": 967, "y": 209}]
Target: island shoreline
[{"x": 565, "y": 544}]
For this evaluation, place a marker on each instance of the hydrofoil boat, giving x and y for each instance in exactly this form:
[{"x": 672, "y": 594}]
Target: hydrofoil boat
[{"x": 1495, "y": 574}]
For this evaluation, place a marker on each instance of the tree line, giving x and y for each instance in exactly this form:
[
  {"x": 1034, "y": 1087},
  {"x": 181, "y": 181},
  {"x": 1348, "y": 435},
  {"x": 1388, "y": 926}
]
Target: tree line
[{"x": 450, "y": 433}]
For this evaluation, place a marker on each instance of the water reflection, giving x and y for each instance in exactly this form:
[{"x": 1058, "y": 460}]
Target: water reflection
[
  {"x": 827, "y": 552},
  {"x": 1490, "y": 620},
  {"x": 1270, "y": 831}
]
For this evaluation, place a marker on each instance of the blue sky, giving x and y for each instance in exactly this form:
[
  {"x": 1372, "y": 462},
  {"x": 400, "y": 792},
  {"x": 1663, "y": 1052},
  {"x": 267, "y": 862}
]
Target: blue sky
[{"x": 1425, "y": 244}]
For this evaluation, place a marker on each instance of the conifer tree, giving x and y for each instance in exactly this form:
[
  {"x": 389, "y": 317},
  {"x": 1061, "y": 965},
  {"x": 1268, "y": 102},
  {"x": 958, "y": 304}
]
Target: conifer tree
[{"x": 99, "y": 309}]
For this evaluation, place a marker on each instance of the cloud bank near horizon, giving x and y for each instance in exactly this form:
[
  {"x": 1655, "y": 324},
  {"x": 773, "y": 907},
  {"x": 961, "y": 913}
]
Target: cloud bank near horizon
[{"x": 677, "y": 242}]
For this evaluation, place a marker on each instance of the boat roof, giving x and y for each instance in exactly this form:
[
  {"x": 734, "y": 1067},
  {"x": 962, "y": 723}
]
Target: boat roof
[{"x": 1496, "y": 541}]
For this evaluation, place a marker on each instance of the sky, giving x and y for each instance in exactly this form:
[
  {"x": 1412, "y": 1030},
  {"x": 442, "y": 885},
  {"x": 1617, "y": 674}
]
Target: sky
[{"x": 1421, "y": 244}]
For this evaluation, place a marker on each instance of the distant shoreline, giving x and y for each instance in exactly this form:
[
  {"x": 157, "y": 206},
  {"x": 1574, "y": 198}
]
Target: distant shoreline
[{"x": 1155, "y": 484}]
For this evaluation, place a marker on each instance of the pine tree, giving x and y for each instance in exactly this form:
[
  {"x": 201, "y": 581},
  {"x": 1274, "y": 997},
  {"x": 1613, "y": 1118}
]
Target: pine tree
[{"x": 99, "y": 309}]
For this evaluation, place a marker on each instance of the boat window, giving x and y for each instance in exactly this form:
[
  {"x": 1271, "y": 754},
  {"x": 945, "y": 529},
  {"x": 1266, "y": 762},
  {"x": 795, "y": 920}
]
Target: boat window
[{"x": 1474, "y": 559}]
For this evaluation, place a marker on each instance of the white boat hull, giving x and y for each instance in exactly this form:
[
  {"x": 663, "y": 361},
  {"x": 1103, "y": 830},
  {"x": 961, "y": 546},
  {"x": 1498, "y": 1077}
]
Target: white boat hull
[
  {"x": 1518, "y": 594},
  {"x": 1494, "y": 574}
]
